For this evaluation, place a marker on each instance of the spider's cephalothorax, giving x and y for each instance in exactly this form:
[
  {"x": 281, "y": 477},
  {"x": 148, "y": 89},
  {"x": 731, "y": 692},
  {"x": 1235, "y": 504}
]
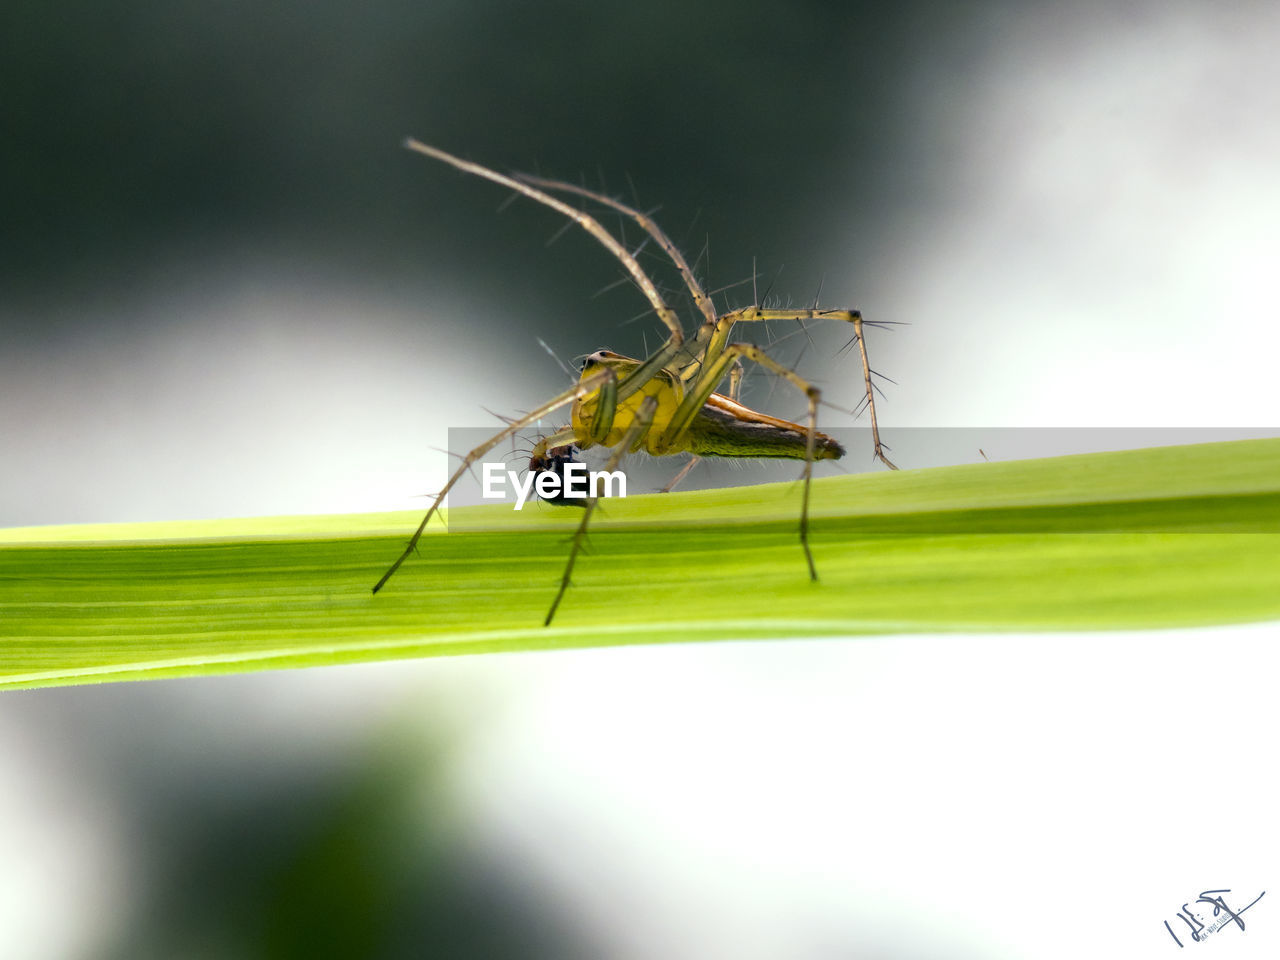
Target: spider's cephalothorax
[{"x": 721, "y": 426}]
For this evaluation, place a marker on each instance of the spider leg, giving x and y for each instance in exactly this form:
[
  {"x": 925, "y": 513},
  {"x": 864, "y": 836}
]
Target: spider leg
[
  {"x": 642, "y": 421},
  {"x": 584, "y": 220},
  {"x": 675, "y": 339},
  {"x": 646, "y": 223},
  {"x": 736, "y": 374},
  {"x": 716, "y": 336},
  {"x": 584, "y": 387},
  {"x": 701, "y": 390},
  {"x": 684, "y": 472}
]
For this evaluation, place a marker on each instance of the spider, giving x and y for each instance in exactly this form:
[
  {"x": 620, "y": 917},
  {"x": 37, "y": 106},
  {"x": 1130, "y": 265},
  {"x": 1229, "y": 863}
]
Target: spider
[{"x": 666, "y": 403}]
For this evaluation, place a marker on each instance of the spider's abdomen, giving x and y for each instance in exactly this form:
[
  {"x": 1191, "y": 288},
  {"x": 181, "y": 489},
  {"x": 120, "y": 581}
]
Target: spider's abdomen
[{"x": 724, "y": 428}]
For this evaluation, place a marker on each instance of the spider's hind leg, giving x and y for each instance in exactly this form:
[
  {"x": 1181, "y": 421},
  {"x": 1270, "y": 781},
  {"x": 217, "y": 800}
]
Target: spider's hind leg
[
  {"x": 717, "y": 337},
  {"x": 681, "y": 422}
]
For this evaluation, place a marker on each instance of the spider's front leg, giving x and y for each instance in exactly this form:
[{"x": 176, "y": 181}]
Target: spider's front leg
[
  {"x": 605, "y": 416},
  {"x": 589, "y": 382},
  {"x": 642, "y": 373},
  {"x": 631, "y": 437}
]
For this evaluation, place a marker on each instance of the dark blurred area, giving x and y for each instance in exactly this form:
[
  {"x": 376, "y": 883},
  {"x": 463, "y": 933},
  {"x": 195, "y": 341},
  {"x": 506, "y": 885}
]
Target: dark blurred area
[
  {"x": 140, "y": 135},
  {"x": 365, "y": 861},
  {"x": 252, "y": 826}
]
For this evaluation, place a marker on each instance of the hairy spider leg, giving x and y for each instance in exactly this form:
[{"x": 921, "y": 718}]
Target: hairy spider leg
[
  {"x": 716, "y": 336},
  {"x": 583, "y": 386},
  {"x": 639, "y": 424},
  {"x": 675, "y": 333},
  {"x": 646, "y": 223}
]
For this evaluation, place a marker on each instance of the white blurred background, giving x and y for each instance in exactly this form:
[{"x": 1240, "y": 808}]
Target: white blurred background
[{"x": 228, "y": 292}]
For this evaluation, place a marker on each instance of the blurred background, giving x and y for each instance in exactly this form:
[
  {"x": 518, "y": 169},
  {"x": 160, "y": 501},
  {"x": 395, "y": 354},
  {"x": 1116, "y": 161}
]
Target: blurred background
[{"x": 225, "y": 289}]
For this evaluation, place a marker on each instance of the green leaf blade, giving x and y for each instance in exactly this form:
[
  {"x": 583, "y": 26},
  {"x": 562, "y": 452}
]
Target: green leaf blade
[{"x": 1174, "y": 536}]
